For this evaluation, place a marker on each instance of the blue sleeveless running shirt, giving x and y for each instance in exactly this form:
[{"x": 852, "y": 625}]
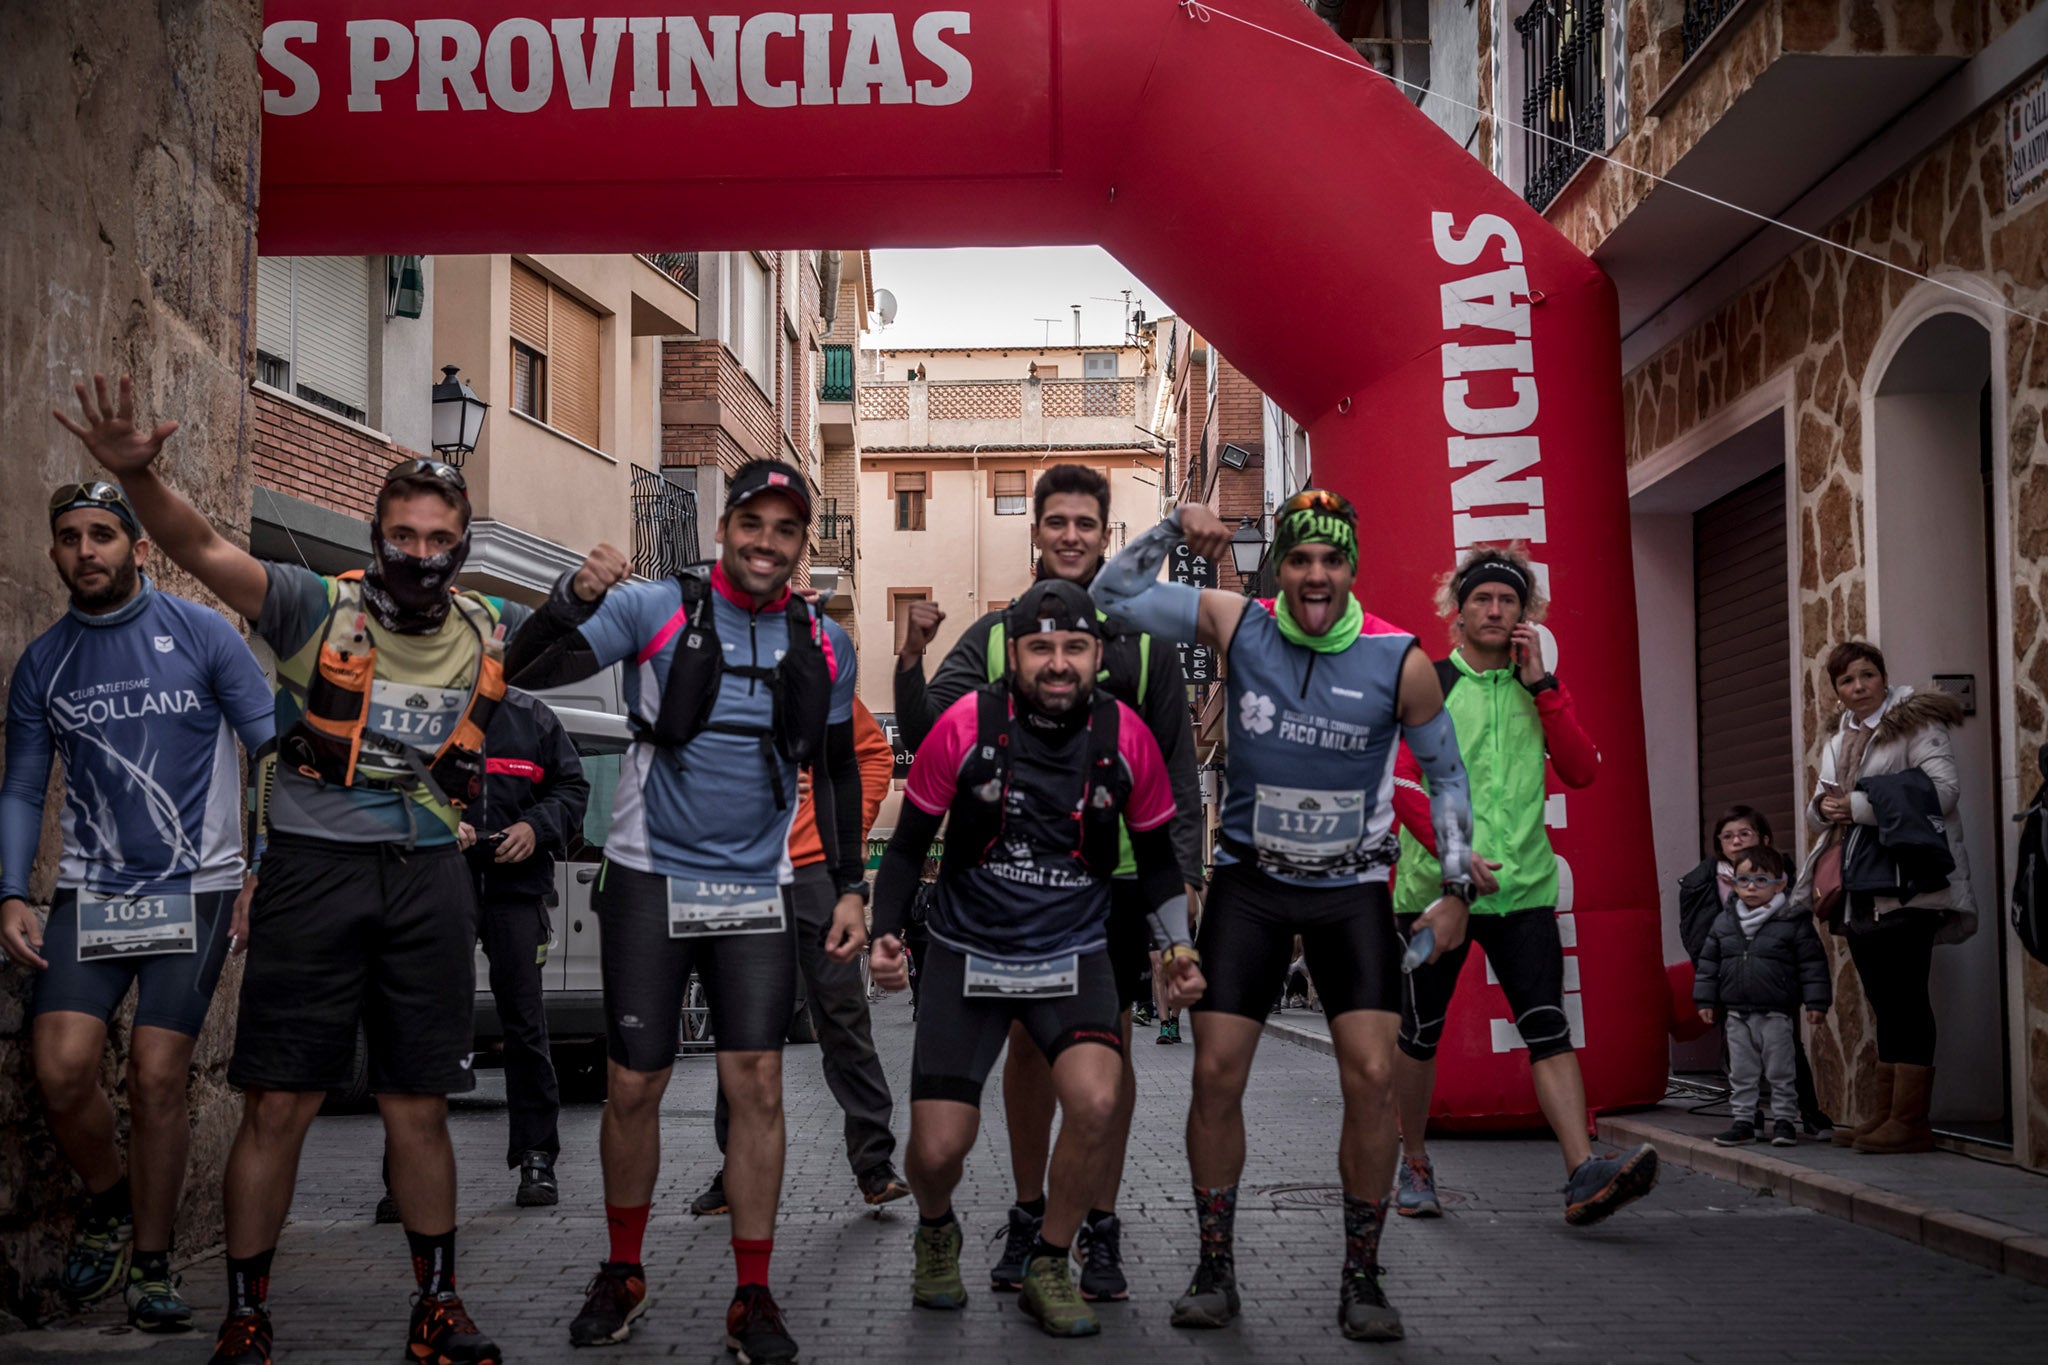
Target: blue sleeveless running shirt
[{"x": 1310, "y": 772}]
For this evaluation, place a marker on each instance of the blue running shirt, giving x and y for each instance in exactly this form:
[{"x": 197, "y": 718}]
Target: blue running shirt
[
  {"x": 705, "y": 810},
  {"x": 143, "y": 704}
]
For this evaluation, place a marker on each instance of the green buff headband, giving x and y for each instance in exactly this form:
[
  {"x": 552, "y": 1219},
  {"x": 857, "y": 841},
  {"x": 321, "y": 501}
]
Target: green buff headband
[{"x": 1312, "y": 526}]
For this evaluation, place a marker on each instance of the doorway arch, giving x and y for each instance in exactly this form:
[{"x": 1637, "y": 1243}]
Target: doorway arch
[{"x": 1454, "y": 359}]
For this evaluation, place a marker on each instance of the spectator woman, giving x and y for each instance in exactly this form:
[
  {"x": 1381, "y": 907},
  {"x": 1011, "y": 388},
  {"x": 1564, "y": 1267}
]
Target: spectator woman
[
  {"x": 1887, "y": 731},
  {"x": 1702, "y": 894}
]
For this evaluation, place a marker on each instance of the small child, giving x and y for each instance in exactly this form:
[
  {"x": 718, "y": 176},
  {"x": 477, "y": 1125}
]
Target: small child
[{"x": 1760, "y": 962}]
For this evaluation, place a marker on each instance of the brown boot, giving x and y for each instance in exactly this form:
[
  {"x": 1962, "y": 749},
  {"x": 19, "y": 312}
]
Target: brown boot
[
  {"x": 1880, "y": 1109},
  {"x": 1907, "y": 1130}
]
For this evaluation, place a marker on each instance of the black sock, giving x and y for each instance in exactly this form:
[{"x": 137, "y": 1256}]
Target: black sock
[
  {"x": 150, "y": 1265},
  {"x": 249, "y": 1282},
  {"x": 942, "y": 1221},
  {"x": 112, "y": 1202},
  {"x": 1041, "y": 1247},
  {"x": 1097, "y": 1215},
  {"x": 1216, "y": 1217},
  {"x": 433, "y": 1261},
  {"x": 1034, "y": 1207},
  {"x": 1363, "y": 1219}
]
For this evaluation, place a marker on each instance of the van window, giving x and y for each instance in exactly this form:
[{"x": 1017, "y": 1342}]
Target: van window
[{"x": 602, "y": 757}]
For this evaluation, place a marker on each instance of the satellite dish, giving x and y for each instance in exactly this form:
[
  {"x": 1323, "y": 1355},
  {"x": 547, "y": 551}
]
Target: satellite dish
[{"x": 885, "y": 306}]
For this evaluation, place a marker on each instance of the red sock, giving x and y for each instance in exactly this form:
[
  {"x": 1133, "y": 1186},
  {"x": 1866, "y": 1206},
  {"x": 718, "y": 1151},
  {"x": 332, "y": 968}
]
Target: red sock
[
  {"x": 627, "y": 1226},
  {"x": 751, "y": 1258}
]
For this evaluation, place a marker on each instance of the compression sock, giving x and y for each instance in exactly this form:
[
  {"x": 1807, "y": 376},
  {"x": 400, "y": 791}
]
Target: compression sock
[
  {"x": 1363, "y": 1219},
  {"x": 249, "y": 1282},
  {"x": 433, "y": 1261},
  {"x": 1216, "y": 1216},
  {"x": 110, "y": 1203},
  {"x": 1041, "y": 1247},
  {"x": 150, "y": 1265},
  {"x": 750, "y": 1258},
  {"x": 1034, "y": 1207},
  {"x": 628, "y": 1227},
  {"x": 945, "y": 1219}
]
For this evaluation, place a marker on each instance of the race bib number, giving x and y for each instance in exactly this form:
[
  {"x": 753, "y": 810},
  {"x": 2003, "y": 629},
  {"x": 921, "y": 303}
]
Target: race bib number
[
  {"x": 1305, "y": 830},
  {"x": 422, "y": 718},
  {"x": 701, "y": 909},
  {"x": 1054, "y": 977},
  {"x": 135, "y": 926}
]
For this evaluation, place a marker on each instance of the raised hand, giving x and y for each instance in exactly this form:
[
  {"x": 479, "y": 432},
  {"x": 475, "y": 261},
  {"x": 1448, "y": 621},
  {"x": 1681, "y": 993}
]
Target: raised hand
[
  {"x": 921, "y": 622},
  {"x": 604, "y": 568},
  {"x": 109, "y": 431},
  {"x": 1205, "y": 532}
]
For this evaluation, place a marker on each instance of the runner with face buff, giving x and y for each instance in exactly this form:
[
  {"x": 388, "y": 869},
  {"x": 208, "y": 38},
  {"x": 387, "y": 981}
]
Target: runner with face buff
[
  {"x": 364, "y": 909},
  {"x": 1320, "y": 693}
]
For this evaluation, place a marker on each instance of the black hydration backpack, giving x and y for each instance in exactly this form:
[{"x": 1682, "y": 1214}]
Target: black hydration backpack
[
  {"x": 981, "y": 795},
  {"x": 2030, "y": 884}
]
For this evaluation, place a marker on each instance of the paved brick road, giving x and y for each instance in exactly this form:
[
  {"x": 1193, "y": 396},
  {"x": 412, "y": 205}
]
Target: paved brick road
[{"x": 1699, "y": 1272}]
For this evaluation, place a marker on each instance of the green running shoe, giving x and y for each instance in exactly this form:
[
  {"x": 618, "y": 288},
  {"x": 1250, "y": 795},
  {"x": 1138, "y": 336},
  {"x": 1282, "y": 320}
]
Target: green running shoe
[
  {"x": 936, "y": 1282},
  {"x": 97, "y": 1263},
  {"x": 157, "y": 1306},
  {"x": 1050, "y": 1297}
]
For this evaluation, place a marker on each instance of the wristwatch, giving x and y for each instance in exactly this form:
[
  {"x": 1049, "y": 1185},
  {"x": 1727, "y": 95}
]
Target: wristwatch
[
  {"x": 1547, "y": 683},
  {"x": 860, "y": 888},
  {"x": 1464, "y": 891}
]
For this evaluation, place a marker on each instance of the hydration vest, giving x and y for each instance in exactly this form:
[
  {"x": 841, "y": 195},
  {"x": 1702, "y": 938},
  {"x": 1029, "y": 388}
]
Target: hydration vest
[
  {"x": 800, "y": 683},
  {"x": 981, "y": 795},
  {"x": 326, "y": 742}
]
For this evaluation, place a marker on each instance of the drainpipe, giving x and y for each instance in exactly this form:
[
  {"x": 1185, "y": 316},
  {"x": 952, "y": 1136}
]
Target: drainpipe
[
  {"x": 832, "y": 264},
  {"x": 975, "y": 590}
]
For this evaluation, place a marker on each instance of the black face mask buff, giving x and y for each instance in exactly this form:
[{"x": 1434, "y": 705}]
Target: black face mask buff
[{"x": 406, "y": 593}]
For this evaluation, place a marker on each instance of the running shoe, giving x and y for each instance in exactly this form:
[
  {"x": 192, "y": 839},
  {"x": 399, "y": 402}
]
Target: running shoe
[
  {"x": 1738, "y": 1134},
  {"x": 1051, "y": 1300},
  {"x": 387, "y": 1209},
  {"x": 1818, "y": 1126},
  {"x": 1007, "y": 1274},
  {"x": 881, "y": 1185},
  {"x": 442, "y": 1334},
  {"x": 1415, "y": 1189},
  {"x": 1603, "y": 1184},
  {"x": 616, "y": 1296},
  {"x": 754, "y": 1330},
  {"x": 1099, "y": 1248},
  {"x": 936, "y": 1282},
  {"x": 537, "y": 1188},
  {"x": 157, "y": 1306},
  {"x": 712, "y": 1201},
  {"x": 97, "y": 1263},
  {"x": 1211, "y": 1300},
  {"x": 1169, "y": 1031},
  {"x": 244, "y": 1339},
  {"x": 1363, "y": 1311},
  {"x": 1142, "y": 1013},
  {"x": 1784, "y": 1134}
]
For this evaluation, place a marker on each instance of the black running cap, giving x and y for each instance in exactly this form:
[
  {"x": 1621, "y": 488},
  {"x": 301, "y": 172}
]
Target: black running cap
[
  {"x": 1049, "y": 605},
  {"x": 756, "y": 477}
]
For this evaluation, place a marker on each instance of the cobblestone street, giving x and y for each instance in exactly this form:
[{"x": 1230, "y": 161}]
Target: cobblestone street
[{"x": 1701, "y": 1271}]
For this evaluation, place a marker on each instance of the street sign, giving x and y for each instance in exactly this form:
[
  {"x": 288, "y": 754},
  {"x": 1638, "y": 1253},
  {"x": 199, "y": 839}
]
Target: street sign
[{"x": 1197, "y": 662}]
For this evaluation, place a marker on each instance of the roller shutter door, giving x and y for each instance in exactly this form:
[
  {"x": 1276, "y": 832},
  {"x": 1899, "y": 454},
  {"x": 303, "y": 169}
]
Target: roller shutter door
[{"x": 1744, "y": 641}]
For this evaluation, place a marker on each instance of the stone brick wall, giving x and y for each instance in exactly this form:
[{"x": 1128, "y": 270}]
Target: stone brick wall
[
  {"x": 130, "y": 136},
  {"x": 303, "y": 453}
]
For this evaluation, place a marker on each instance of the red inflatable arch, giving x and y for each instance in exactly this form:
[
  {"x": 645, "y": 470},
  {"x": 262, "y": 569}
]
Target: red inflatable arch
[{"x": 1454, "y": 359}]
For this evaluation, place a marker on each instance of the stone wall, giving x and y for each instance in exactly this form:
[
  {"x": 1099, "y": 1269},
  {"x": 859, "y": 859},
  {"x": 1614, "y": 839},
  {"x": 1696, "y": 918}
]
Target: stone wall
[{"x": 127, "y": 243}]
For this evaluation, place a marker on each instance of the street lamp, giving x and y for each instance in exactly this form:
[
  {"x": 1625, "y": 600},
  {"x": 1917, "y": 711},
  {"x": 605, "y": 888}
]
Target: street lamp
[
  {"x": 458, "y": 417},
  {"x": 1247, "y": 548}
]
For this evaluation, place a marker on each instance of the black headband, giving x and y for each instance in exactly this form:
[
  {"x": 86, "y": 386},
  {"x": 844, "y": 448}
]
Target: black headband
[{"x": 1492, "y": 571}]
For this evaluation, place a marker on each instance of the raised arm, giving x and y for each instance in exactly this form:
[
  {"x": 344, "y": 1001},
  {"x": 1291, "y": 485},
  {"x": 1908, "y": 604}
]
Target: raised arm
[
  {"x": 1431, "y": 737},
  {"x": 1134, "y": 598},
  {"x": 129, "y": 453}
]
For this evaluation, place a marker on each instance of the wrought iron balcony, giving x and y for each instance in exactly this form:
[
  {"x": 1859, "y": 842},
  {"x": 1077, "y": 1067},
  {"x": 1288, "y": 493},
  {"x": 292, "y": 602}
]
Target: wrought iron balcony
[
  {"x": 1564, "y": 101},
  {"x": 835, "y": 385},
  {"x": 664, "y": 524},
  {"x": 835, "y": 536},
  {"x": 1702, "y": 17},
  {"x": 680, "y": 266}
]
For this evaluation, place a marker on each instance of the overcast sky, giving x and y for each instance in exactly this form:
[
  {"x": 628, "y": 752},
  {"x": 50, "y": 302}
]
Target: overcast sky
[{"x": 994, "y": 296}]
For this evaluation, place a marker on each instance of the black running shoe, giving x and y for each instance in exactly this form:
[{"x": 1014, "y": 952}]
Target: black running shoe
[
  {"x": 712, "y": 1202},
  {"x": 1738, "y": 1134},
  {"x": 537, "y": 1189},
  {"x": 1006, "y": 1276},
  {"x": 616, "y": 1296},
  {"x": 754, "y": 1330},
  {"x": 1363, "y": 1311},
  {"x": 442, "y": 1334},
  {"x": 244, "y": 1340},
  {"x": 1211, "y": 1300},
  {"x": 881, "y": 1185},
  {"x": 1099, "y": 1247},
  {"x": 387, "y": 1209}
]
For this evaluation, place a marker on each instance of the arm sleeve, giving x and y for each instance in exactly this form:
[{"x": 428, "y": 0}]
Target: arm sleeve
[
  {"x": 569, "y": 639},
  {"x": 1411, "y": 799},
  {"x": 835, "y": 797},
  {"x": 1930, "y": 750},
  {"x": 964, "y": 668},
  {"x": 902, "y": 869},
  {"x": 1159, "y": 880},
  {"x": 1573, "y": 754},
  {"x": 1166, "y": 716},
  {"x": 1131, "y": 594},
  {"x": 877, "y": 765},
  {"x": 28, "y": 778},
  {"x": 1435, "y": 745},
  {"x": 564, "y": 794}
]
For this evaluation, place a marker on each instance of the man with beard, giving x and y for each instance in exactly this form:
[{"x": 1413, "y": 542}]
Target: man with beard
[
  {"x": 142, "y": 695},
  {"x": 365, "y": 910},
  {"x": 1069, "y": 529},
  {"x": 734, "y": 686},
  {"x": 1039, "y": 777},
  {"x": 1320, "y": 694}
]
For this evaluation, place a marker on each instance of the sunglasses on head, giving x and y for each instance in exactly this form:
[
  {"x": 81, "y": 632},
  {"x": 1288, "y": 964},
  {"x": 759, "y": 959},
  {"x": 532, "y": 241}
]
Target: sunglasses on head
[
  {"x": 92, "y": 490},
  {"x": 1750, "y": 881},
  {"x": 1319, "y": 500},
  {"x": 423, "y": 467}
]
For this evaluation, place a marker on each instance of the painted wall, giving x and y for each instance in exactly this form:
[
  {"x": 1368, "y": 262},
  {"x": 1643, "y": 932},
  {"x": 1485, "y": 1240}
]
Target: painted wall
[{"x": 1664, "y": 616}]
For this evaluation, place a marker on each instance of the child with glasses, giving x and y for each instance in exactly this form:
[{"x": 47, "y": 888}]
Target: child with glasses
[{"x": 1761, "y": 961}]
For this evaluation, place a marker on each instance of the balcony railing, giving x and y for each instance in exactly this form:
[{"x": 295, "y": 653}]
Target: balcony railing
[
  {"x": 1702, "y": 17},
  {"x": 664, "y": 524},
  {"x": 835, "y": 536},
  {"x": 680, "y": 266},
  {"x": 1564, "y": 101},
  {"x": 836, "y": 383}
]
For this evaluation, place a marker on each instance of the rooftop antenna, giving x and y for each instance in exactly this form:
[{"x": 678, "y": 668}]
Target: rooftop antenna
[
  {"x": 1048, "y": 329},
  {"x": 1126, "y": 301}
]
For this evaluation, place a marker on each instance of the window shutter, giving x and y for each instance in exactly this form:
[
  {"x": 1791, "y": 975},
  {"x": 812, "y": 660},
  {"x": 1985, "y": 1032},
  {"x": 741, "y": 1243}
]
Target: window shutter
[
  {"x": 906, "y": 483},
  {"x": 332, "y": 303},
  {"x": 1009, "y": 483},
  {"x": 274, "y": 306},
  {"x": 529, "y": 307},
  {"x": 1098, "y": 365},
  {"x": 573, "y": 368}
]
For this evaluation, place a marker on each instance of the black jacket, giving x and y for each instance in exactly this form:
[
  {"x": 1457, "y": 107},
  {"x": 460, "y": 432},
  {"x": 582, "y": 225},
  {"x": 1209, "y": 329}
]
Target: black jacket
[
  {"x": 1699, "y": 905},
  {"x": 1906, "y": 852},
  {"x": 1781, "y": 969},
  {"x": 531, "y": 773}
]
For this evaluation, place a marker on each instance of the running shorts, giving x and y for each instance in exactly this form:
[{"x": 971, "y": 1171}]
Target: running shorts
[
  {"x": 749, "y": 979},
  {"x": 958, "y": 1039},
  {"x": 172, "y": 990},
  {"x": 1526, "y": 955},
  {"x": 342, "y": 934},
  {"x": 1349, "y": 941}
]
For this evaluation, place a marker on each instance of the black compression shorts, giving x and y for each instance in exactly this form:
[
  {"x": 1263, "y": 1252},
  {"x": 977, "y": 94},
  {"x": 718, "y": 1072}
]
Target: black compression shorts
[
  {"x": 1351, "y": 946},
  {"x": 1526, "y": 954},
  {"x": 172, "y": 990},
  {"x": 341, "y": 933},
  {"x": 749, "y": 979},
  {"x": 958, "y": 1039}
]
